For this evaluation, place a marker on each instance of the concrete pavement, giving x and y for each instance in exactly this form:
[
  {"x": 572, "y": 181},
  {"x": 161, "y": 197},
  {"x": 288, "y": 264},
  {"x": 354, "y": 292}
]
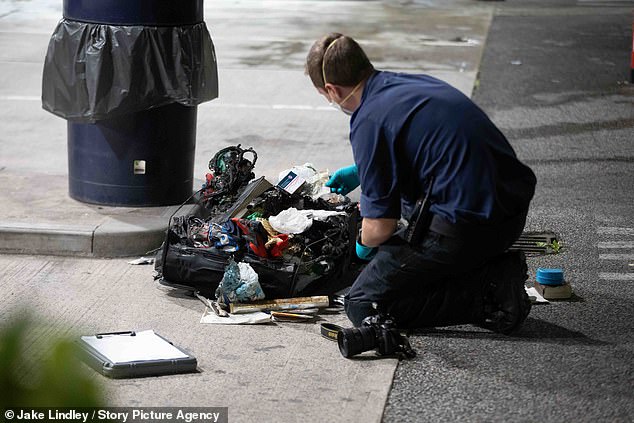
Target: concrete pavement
[{"x": 265, "y": 373}]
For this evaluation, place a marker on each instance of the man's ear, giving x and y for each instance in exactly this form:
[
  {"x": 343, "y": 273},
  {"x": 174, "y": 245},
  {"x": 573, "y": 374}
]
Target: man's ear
[{"x": 334, "y": 91}]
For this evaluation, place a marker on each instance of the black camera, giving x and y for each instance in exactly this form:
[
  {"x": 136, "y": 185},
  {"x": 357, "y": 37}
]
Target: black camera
[{"x": 377, "y": 332}]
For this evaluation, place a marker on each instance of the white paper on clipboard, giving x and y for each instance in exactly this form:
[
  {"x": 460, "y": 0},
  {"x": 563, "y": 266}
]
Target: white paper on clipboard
[{"x": 124, "y": 348}]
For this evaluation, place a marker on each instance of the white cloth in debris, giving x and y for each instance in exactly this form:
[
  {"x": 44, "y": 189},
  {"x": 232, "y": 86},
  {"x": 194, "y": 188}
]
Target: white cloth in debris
[{"x": 293, "y": 221}]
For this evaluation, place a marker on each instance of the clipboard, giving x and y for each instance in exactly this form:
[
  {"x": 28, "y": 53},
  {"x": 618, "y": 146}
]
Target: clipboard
[{"x": 134, "y": 354}]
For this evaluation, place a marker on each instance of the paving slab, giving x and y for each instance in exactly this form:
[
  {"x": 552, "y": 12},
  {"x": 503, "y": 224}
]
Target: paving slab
[{"x": 281, "y": 372}]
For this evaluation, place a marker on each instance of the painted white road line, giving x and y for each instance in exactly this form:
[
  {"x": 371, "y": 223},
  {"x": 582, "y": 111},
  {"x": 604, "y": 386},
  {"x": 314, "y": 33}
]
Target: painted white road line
[
  {"x": 616, "y": 256},
  {"x": 617, "y": 276},
  {"x": 301, "y": 107},
  {"x": 605, "y": 230},
  {"x": 616, "y": 244},
  {"x": 20, "y": 98}
]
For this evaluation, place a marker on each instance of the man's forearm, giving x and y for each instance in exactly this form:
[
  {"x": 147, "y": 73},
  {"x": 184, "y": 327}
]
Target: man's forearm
[{"x": 375, "y": 232}]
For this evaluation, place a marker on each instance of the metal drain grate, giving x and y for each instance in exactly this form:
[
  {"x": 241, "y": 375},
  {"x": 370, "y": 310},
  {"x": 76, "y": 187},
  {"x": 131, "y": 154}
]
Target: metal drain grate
[{"x": 530, "y": 242}]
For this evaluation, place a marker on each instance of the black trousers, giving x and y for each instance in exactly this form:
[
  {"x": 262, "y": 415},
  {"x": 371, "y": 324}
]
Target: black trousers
[{"x": 438, "y": 282}]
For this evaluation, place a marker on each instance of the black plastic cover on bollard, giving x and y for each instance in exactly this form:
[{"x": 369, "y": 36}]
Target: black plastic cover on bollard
[{"x": 128, "y": 75}]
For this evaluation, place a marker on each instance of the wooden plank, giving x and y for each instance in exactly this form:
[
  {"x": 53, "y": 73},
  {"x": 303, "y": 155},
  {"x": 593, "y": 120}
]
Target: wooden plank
[{"x": 280, "y": 304}]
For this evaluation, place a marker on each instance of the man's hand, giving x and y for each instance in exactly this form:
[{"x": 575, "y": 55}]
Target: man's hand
[
  {"x": 365, "y": 253},
  {"x": 344, "y": 180}
]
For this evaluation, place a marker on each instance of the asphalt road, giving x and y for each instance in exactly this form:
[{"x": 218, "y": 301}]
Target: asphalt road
[{"x": 553, "y": 78}]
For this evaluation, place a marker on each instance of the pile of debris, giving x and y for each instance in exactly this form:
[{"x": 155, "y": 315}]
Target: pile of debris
[{"x": 250, "y": 239}]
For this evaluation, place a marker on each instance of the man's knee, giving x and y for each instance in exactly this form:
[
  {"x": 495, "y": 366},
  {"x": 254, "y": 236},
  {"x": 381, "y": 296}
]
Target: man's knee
[{"x": 358, "y": 310}]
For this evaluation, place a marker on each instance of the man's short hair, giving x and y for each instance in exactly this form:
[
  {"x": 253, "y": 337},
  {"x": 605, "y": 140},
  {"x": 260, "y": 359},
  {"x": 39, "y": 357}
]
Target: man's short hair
[{"x": 345, "y": 62}]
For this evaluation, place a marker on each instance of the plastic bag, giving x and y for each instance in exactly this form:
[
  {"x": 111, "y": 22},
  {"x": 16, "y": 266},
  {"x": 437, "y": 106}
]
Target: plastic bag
[
  {"x": 94, "y": 72},
  {"x": 293, "y": 221}
]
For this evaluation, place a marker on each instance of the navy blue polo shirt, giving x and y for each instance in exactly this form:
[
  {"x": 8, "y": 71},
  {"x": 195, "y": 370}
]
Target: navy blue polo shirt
[{"x": 410, "y": 127}]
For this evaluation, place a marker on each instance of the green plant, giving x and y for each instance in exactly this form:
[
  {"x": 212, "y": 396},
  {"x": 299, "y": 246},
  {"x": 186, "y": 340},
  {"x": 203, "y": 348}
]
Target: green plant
[
  {"x": 42, "y": 373},
  {"x": 553, "y": 247}
]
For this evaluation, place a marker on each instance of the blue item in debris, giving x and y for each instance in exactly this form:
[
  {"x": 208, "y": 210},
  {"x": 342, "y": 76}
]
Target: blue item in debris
[
  {"x": 553, "y": 277},
  {"x": 227, "y": 243},
  {"x": 230, "y": 228},
  {"x": 239, "y": 284}
]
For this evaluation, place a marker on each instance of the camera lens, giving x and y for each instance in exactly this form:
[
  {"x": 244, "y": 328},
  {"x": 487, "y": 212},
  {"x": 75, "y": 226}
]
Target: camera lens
[{"x": 353, "y": 341}]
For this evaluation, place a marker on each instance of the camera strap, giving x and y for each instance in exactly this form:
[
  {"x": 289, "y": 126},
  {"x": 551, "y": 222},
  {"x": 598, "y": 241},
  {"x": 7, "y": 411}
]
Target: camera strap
[{"x": 330, "y": 331}]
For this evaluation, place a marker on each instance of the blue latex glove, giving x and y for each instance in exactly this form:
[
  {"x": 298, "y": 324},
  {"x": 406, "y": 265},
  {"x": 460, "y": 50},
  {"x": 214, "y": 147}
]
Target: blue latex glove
[
  {"x": 365, "y": 253},
  {"x": 344, "y": 180}
]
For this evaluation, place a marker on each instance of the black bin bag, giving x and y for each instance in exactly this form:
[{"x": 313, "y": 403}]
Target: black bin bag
[
  {"x": 109, "y": 58},
  {"x": 94, "y": 71},
  {"x": 128, "y": 76}
]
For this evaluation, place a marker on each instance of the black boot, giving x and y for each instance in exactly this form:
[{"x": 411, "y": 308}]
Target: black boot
[{"x": 506, "y": 304}]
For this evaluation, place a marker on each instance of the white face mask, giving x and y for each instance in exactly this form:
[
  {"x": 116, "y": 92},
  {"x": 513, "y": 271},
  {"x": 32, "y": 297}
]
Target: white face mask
[
  {"x": 341, "y": 109},
  {"x": 339, "y": 106}
]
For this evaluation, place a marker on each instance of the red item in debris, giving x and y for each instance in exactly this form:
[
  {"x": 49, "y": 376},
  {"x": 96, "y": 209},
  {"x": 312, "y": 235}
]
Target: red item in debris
[
  {"x": 258, "y": 250},
  {"x": 243, "y": 228},
  {"x": 276, "y": 250},
  {"x": 254, "y": 234},
  {"x": 208, "y": 187}
]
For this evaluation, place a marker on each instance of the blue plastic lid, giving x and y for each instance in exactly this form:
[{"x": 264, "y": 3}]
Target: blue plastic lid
[{"x": 550, "y": 276}]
